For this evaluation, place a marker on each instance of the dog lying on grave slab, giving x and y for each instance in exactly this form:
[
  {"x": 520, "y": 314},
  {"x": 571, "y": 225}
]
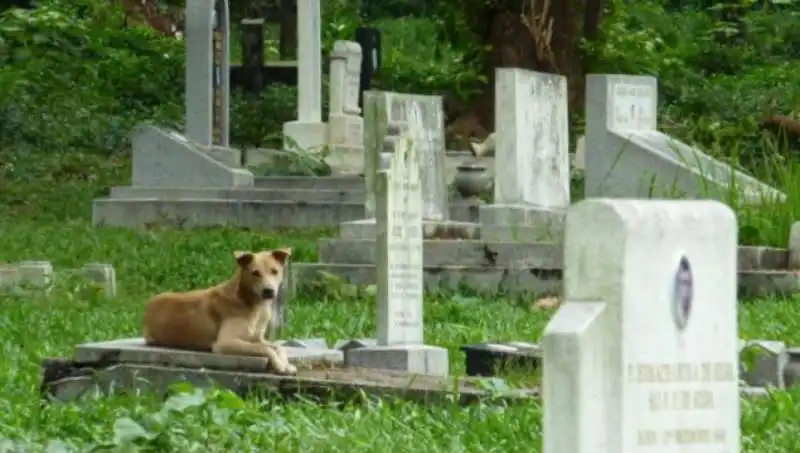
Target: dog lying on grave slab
[{"x": 229, "y": 318}]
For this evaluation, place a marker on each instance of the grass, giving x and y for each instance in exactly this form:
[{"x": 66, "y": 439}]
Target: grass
[{"x": 49, "y": 220}]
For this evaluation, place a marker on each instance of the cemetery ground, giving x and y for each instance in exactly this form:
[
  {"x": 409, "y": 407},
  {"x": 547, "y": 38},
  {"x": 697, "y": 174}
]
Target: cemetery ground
[{"x": 45, "y": 217}]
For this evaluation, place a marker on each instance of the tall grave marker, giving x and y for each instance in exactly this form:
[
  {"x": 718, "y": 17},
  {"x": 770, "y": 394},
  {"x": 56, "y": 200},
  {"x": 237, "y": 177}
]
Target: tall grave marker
[
  {"x": 207, "y": 73},
  {"x": 532, "y": 177},
  {"x": 309, "y": 132},
  {"x": 643, "y": 355},
  {"x": 399, "y": 213},
  {"x": 345, "y": 124}
]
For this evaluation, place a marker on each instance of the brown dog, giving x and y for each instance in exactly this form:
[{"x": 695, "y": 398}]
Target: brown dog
[{"x": 229, "y": 318}]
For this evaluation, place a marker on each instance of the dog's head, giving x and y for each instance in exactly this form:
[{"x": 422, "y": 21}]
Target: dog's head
[{"x": 261, "y": 273}]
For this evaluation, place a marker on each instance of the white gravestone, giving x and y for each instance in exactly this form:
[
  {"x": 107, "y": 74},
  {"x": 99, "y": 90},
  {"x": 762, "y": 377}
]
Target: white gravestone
[
  {"x": 400, "y": 270},
  {"x": 345, "y": 124},
  {"x": 532, "y": 176},
  {"x": 399, "y": 249},
  {"x": 626, "y": 156},
  {"x": 383, "y": 108},
  {"x": 643, "y": 354},
  {"x": 308, "y": 132},
  {"x": 207, "y": 73}
]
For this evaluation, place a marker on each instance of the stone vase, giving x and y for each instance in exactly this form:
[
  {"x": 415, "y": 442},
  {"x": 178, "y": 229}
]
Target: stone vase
[{"x": 472, "y": 180}]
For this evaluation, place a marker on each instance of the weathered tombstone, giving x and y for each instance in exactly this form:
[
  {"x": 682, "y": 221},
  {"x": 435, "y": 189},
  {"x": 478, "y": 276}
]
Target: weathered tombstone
[
  {"x": 308, "y": 132},
  {"x": 383, "y": 109},
  {"x": 399, "y": 210},
  {"x": 345, "y": 125},
  {"x": 643, "y": 355},
  {"x": 207, "y": 73},
  {"x": 626, "y": 156},
  {"x": 532, "y": 177}
]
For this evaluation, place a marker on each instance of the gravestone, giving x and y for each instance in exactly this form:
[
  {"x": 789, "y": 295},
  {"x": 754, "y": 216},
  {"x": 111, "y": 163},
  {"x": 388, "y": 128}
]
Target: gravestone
[
  {"x": 626, "y": 156},
  {"x": 532, "y": 177},
  {"x": 643, "y": 354},
  {"x": 345, "y": 124},
  {"x": 308, "y": 132},
  {"x": 383, "y": 109},
  {"x": 207, "y": 73},
  {"x": 399, "y": 209}
]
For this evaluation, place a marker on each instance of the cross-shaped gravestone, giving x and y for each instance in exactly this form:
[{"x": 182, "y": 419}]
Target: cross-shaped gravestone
[
  {"x": 643, "y": 354},
  {"x": 399, "y": 268},
  {"x": 207, "y": 72}
]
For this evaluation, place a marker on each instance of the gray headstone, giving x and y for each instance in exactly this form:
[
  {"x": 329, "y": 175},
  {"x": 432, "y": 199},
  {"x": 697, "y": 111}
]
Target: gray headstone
[
  {"x": 531, "y": 139},
  {"x": 386, "y": 112},
  {"x": 207, "y": 72}
]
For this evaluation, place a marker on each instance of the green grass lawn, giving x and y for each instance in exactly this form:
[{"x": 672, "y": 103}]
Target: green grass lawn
[
  {"x": 44, "y": 214},
  {"x": 146, "y": 262}
]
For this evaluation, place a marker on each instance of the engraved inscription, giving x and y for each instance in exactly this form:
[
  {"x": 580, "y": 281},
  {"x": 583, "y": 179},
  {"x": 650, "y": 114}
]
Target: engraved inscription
[
  {"x": 404, "y": 248},
  {"x": 633, "y": 106},
  {"x": 682, "y": 387}
]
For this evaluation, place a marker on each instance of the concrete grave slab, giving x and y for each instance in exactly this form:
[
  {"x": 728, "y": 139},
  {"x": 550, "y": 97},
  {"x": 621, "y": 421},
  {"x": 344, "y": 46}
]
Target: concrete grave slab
[
  {"x": 191, "y": 213},
  {"x": 431, "y": 229},
  {"x": 198, "y": 212},
  {"x": 765, "y": 363},
  {"x": 245, "y": 194},
  {"x": 643, "y": 354},
  {"x": 163, "y": 158},
  {"x": 329, "y": 384},
  {"x": 626, "y": 156},
  {"x": 450, "y": 253},
  {"x": 134, "y": 351}
]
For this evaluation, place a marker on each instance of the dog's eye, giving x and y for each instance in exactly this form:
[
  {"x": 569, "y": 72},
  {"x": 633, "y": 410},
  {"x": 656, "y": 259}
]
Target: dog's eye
[
  {"x": 256, "y": 273},
  {"x": 273, "y": 271}
]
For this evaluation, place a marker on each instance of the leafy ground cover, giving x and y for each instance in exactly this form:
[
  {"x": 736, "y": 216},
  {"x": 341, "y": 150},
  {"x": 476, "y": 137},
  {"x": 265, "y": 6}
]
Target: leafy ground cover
[{"x": 74, "y": 84}]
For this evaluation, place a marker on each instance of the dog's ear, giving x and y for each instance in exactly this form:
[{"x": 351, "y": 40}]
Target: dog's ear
[
  {"x": 281, "y": 255},
  {"x": 243, "y": 258}
]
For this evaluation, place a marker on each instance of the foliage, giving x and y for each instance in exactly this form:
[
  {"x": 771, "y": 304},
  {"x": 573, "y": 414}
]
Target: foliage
[{"x": 39, "y": 326}]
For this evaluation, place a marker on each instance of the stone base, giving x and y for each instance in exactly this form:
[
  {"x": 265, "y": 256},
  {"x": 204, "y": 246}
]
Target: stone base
[
  {"x": 231, "y": 157},
  {"x": 134, "y": 350},
  {"x": 431, "y": 229},
  {"x": 521, "y": 223},
  {"x": 345, "y": 160},
  {"x": 307, "y": 136},
  {"x": 345, "y": 130},
  {"x": 417, "y": 359},
  {"x": 166, "y": 158}
]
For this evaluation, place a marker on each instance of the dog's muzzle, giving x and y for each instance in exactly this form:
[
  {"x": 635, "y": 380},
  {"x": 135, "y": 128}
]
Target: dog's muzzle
[{"x": 267, "y": 293}]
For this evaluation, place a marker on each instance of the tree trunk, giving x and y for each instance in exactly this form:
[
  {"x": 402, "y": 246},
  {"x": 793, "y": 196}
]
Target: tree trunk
[{"x": 543, "y": 35}]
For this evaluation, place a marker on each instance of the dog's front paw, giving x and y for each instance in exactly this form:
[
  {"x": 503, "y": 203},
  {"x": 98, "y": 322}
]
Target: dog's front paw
[{"x": 289, "y": 370}]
